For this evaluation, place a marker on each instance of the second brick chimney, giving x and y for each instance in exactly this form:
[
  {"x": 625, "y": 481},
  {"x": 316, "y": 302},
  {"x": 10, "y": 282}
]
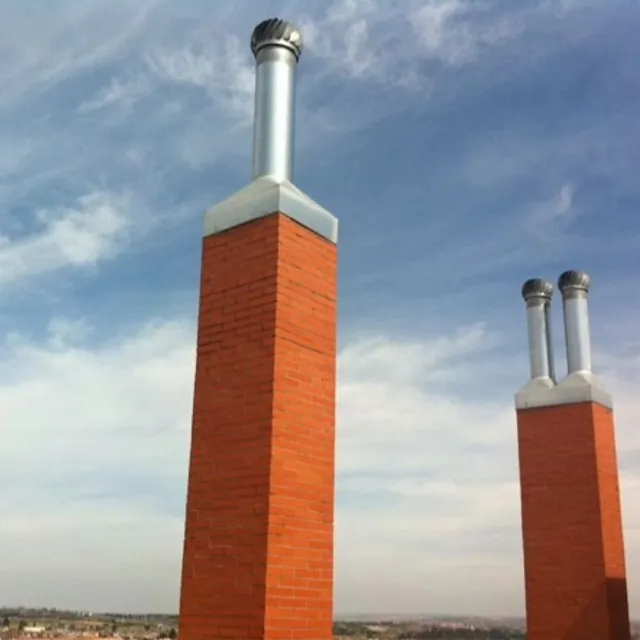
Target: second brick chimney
[{"x": 575, "y": 576}]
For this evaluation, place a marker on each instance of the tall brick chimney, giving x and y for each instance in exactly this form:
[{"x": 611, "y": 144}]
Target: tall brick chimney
[
  {"x": 574, "y": 558},
  {"x": 258, "y": 549}
]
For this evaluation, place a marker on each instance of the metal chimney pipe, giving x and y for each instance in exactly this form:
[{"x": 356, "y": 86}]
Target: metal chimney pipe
[
  {"x": 574, "y": 286},
  {"x": 537, "y": 294},
  {"x": 276, "y": 46}
]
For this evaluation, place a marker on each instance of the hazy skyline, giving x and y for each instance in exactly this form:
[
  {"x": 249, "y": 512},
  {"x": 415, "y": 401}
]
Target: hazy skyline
[{"x": 464, "y": 147}]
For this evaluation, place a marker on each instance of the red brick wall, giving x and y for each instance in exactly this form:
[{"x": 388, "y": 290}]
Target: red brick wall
[
  {"x": 258, "y": 554},
  {"x": 572, "y": 529},
  {"x": 612, "y": 533}
]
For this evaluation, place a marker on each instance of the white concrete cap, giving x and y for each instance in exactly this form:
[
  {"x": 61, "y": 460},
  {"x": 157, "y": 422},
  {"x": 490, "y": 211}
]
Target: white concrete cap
[
  {"x": 580, "y": 386},
  {"x": 266, "y": 195}
]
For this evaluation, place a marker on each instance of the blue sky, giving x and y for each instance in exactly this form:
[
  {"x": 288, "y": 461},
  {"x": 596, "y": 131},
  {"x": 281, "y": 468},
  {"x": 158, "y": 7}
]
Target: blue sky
[{"x": 465, "y": 146}]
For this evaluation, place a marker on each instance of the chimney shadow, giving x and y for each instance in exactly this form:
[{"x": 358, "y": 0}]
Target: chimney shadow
[{"x": 605, "y": 617}]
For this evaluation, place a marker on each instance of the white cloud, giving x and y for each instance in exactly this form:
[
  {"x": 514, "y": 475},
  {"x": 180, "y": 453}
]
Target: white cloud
[
  {"x": 119, "y": 92},
  {"x": 160, "y": 50},
  {"x": 94, "y": 229},
  {"x": 432, "y": 24},
  {"x": 561, "y": 206},
  {"x": 64, "y": 332},
  {"x": 550, "y": 219},
  {"x": 455, "y": 31},
  {"x": 564, "y": 201},
  {"x": 14, "y": 153},
  {"x": 71, "y": 38},
  {"x": 342, "y": 37},
  {"x": 93, "y": 438},
  {"x": 427, "y": 471},
  {"x": 385, "y": 42},
  {"x": 223, "y": 68}
]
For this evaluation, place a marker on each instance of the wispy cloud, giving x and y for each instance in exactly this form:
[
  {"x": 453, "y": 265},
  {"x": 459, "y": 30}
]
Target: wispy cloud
[
  {"x": 381, "y": 41},
  {"x": 80, "y": 236},
  {"x": 55, "y": 53},
  {"x": 548, "y": 220},
  {"x": 223, "y": 69},
  {"x": 454, "y": 32},
  {"x": 342, "y": 37},
  {"x": 119, "y": 92}
]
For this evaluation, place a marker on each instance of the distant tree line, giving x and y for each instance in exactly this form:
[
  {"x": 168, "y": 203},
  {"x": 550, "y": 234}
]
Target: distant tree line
[
  {"x": 362, "y": 630},
  {"x": 438, "y": 633},
  {"x": 348, "y": 629}
]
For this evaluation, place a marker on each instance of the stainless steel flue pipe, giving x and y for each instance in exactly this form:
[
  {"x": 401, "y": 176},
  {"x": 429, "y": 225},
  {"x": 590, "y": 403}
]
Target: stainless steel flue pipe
[{"x": 276, "y": 46}]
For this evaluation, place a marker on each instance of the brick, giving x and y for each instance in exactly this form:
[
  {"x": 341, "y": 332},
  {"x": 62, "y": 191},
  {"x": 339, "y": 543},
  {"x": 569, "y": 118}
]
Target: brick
[
  {"x": 258, "y": 550},
  {"x": 572, "y": 526}
]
